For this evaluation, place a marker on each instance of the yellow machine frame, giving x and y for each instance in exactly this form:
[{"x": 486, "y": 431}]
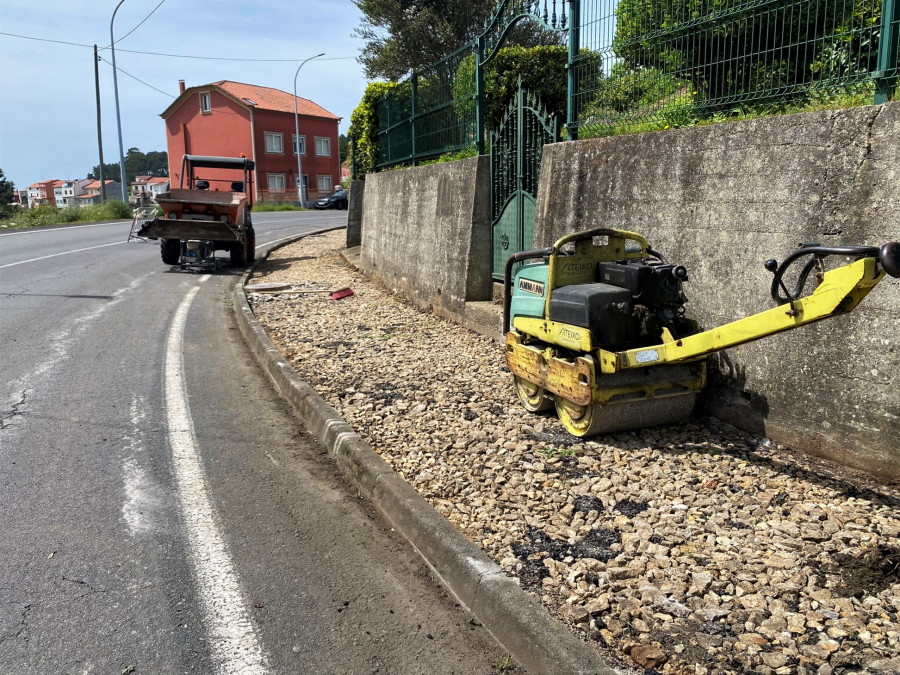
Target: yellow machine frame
[{"x": 587, "y": 378}]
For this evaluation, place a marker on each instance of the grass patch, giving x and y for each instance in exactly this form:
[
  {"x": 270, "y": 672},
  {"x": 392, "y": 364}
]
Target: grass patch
[
  {"x": 50, "y": 215},
  {"x": 680, "y": 114},
  {"x": 277, "y": 206}
]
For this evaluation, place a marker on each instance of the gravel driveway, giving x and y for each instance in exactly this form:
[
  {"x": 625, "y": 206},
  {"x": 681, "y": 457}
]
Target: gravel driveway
[{"x": 691, "y": 548}]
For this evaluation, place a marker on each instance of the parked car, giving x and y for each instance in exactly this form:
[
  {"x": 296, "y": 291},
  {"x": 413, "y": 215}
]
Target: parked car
[{"x": 337, "y": 200}]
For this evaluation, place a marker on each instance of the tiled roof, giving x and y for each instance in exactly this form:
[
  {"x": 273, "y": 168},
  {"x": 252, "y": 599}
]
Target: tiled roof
[
  {"x": 47, "y": 184},
  {"x": 158, "y": 180},
  {"x": 261, "y": 98},
  {"x": 267, "y": 98},
  {"x": 95, "y": 185}
]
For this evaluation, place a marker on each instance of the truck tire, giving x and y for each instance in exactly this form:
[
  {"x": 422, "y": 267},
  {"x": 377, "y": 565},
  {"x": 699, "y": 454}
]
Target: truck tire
[
  {"x": 251, "y": 245},
  {"x": 170, "y": 250},
  {"x": 238, "y": 251}
]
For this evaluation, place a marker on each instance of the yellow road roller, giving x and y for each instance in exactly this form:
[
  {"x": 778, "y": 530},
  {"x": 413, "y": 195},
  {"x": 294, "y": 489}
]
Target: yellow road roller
[{"x": 595, "y": 325}]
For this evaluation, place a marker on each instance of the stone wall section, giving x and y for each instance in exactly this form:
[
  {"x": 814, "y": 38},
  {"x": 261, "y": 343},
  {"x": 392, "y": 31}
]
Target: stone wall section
[
  {"x": 426, "y": 232},
  {"x": 354, "y": 212}
]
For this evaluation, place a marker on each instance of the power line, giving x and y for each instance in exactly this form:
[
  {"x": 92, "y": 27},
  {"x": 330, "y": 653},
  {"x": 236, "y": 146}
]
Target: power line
[
  {"x": 139, "y": 25},
  {"x": 138, "y": 79},
  {"x": 59, "y": 42},
  {"x": 177, "y": 56},
  {"x": 225, "y": 58}
]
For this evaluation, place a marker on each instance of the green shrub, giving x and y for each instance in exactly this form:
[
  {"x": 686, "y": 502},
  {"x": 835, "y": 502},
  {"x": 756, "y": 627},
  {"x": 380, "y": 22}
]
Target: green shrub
[
  {"x": 277, "y": 206},
  {"x": 364, "y": 126},
  {"x": 43, "y": 216}
]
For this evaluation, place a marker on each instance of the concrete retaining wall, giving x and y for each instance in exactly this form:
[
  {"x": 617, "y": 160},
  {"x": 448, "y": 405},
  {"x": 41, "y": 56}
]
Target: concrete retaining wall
[
  {"x": 354, "y": 213},
  {"x": 426, "y": 232},
  {"x": 722, "y": 199}
]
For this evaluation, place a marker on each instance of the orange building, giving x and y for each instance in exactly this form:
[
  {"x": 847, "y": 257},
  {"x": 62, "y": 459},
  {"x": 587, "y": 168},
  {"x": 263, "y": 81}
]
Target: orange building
[{"x": 230, "y": 119}]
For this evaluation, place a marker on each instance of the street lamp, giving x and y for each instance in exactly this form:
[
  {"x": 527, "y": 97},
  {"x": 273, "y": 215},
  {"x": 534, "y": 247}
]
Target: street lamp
[
  {"x": 112, "y": 45},
  {"x": 297, "y": 132}
]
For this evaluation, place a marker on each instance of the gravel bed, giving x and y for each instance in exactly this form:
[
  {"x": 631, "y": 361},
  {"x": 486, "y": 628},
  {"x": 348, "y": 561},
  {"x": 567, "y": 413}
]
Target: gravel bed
[{"x": 691, "y": 548}]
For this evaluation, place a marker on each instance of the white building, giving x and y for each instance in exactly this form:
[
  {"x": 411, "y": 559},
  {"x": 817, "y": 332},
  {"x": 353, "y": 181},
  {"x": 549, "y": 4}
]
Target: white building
[
  {"x": 144, "y": 189},
  {"x": 70, "y": 189}
]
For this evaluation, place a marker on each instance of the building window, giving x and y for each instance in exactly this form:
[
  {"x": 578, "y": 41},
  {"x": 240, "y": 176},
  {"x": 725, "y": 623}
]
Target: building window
[
  {"x": 302, "y": 144},
  {"x": 323, "y": 147},
  {"x": 205, "y": 107},
  {"x": 323, "y": 183},
  {"x": 305, "y": 181},
  {"x": 274, "y": 143},
  {"x": 276, "y": 182}
]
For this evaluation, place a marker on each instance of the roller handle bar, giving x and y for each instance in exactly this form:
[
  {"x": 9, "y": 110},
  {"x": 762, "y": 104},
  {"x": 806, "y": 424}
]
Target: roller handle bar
[{"x": 887, "y": 255}]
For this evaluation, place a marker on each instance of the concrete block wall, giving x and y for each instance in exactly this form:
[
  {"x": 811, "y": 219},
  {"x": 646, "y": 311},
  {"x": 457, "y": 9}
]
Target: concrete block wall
[
  {"x": 354, "y": 213},
  {"x": 721, "y": 200},
  {"x": 426, "y": 232}
]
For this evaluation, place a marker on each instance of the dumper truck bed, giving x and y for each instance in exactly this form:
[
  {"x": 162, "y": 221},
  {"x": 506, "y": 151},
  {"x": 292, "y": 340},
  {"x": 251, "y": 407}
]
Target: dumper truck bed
[{"x": 211, "y": 197}]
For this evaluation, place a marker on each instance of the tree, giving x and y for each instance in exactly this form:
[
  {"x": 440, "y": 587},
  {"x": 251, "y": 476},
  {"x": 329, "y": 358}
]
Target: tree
[
  {"x": 7, "y": 190},
  {"x": 110, "y": 172},
  {"x": 343, "y": 149},
  {"x": 404, "y": 35},
  {"x": 136, "y": 164}
]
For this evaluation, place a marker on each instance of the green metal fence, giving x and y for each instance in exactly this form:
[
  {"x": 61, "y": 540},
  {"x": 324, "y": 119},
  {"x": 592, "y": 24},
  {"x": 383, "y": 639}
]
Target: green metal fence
[
  {"x": 658, "y": 62},
  {"x": 678, "y": 62},
  {"x": 431, "y": 113}
]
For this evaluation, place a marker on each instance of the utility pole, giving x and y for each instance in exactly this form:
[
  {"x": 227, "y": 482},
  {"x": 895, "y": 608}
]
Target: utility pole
[
  {"x": 112, "y": 46},
  {"x": 99, "y": 128}
]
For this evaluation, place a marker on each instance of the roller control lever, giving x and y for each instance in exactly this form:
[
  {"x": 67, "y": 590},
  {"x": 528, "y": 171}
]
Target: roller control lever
[{"x": 888, "y": 256}]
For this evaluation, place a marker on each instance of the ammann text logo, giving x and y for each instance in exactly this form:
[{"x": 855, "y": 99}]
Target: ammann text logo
[{"x": 533, "y": 287}]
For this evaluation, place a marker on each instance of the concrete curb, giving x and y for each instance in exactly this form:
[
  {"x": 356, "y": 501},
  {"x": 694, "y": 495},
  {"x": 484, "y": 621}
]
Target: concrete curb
[{"x": 536, "y": 640}]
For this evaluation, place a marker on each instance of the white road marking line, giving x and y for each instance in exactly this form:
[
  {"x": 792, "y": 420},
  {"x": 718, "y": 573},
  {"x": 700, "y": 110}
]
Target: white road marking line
[
  {"x": 275, "y": 241},
  {"x": 234, "y": 645},
  {"x": 77, "y": 250}
]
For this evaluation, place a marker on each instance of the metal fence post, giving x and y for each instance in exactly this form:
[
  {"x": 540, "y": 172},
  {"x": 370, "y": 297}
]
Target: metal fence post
[
  {"x": 572, "y": 70},
  {"x": 479, "y": 96},
  {"x": 887, "y": 51},
  {"x": 412, "y": 116}
]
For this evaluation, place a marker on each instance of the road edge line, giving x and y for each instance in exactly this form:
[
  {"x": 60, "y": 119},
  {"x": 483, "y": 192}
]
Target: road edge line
[{"x": 539, "y": 642}]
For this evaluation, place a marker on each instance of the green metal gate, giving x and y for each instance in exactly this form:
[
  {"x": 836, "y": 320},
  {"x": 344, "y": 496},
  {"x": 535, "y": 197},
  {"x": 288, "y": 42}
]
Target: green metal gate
[{"x": 516, "y": 149}]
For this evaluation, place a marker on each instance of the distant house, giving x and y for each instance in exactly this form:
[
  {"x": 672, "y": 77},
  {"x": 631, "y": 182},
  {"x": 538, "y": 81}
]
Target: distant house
[
  {"x": 145, "y": 188},
  {"x": 43, "y": 193},
  {"x": 91, "y": 193},
  {"x": 68, "y": 190},
  {"x": 231, "y": 119}
]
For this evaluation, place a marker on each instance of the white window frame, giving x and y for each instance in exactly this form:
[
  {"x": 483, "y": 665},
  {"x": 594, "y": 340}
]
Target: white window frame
[
  {"x": 302, "y": 141},
  {"x": 205, "y": 98},
  {"x": 274, "y": 136},
  {"x": 279, "y": 178},
  {"x": 326, "y": 140},
  {"x": 319, "y": 182},
  {"x": 305, "y": 181}
]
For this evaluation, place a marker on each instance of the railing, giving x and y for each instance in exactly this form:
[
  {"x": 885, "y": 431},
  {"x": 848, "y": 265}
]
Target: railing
[
  {"x": 431, "y": 113},
  {"x": 659, "y": 63},
  {"x": 680, "y": 62}
]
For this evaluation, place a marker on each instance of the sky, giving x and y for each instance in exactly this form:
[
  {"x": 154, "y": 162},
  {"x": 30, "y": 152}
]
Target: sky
[{"x": 48, "y": 109}]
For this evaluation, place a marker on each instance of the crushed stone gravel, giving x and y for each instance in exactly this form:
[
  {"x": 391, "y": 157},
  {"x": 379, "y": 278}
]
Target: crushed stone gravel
[{"x": 691, "y": 548}]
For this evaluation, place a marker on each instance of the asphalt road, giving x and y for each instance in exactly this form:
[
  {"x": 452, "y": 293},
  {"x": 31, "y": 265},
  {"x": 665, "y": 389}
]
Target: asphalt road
[{"x": 160, "y": 509}]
